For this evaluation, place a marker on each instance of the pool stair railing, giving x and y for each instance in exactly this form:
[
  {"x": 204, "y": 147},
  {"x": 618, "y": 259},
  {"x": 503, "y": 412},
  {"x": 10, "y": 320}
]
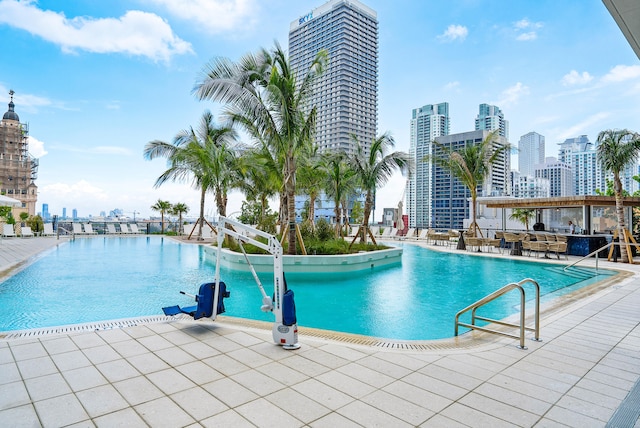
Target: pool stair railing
[{"x": 493, "y": 296}]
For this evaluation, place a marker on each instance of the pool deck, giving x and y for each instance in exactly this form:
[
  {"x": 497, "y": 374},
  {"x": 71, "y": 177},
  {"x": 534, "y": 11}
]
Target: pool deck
[{"x": 584, "y": 373}]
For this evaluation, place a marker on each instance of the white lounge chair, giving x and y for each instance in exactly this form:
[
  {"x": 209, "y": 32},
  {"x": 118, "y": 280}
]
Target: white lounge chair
[
  {"x": 206, "y": 232},
  {"x": 48, "y": 230},
  {"x": 26, "y": 232},
  {"x": 124, "y": 229},
  {"x": 7, "y": 231},
  {"x": 77, "y": 229},
  {"x": 134, "y": 228},
  {"x": 423, "y": 235},
  {"x": 88, "y": 229},
  {"x": 111, "y": 229}
]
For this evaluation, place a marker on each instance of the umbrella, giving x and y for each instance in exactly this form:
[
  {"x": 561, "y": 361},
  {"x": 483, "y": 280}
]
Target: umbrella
[
  {"x": 6, "y": 201},
  {"x": 400, "y": 222}
]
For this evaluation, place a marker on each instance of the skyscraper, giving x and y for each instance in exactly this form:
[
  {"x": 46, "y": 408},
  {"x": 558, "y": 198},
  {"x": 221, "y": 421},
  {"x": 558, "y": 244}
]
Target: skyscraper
[
  {"x": 530, "y": 153},
  {"x": 491, "y": 118},
  {"x": 427, "y": 123},
  {"x": 346, "y": 94}
]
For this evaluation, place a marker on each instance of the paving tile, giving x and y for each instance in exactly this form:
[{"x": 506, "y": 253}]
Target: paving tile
[
  {"x": 325, "y": 395},
  {"x": 101, "y": 354},
  {"x": 113, "y": 335},
  {"x": 70, "y": 360},
  {"x": 43, "y": 387},
  {"x": 170, "y": 381},
  {"x": 382, "y": 366},
  {"x": 306, "y": 366},
  {"x": 174, "y": 356},
  {"x": 59, "y": 345},
  {"x": 522, "y": 386},
  {"x": 298, "y": 405},
  {"x": 101, "y": 400},
  {"x": 229, "y": 392},
  {"x": 60, "y": 411},
  {"x": 5, "y": 355},
  {"x": 324, "y": 358},
  {"x": 198, "y": 403},
  {"x": 586, "y": 408},
  {"x": 129, "y": 348},
  {"x": 225, "y": 364},
  {"x": 370, "y": 416},
  {"x": 123, "y": 418},
  {"x": 163, "y": 412},
  {"x": 179, "y": 337},
  {"x": 515, "y": 399},
  {"x": 398, "y": 407},
  {"x": 263, "y": 414},
  {"x": 366, "y": 375},
  {"x": 605, "y": 389},
  {"x": 571, "y": 418},
  {"x": 147, "y": 363},
  {"x": 9, "y": 373},
  {"x": 594, "y": 397},
  {"x": 473, "y": 418},
  {"x": 453, "y": 377},
  {"x": 199, "y": 350},
  {"x": 139, "y": 331},
  {"x": 222, "y": 344},
  {"x": 499, "y": 409},
  {"x": 27, "y": 351},
  {"x": 35, "y": 367},
  {"x": 137, "y": 390},
  {"x": 199, "y": 372},
  {"x": 439, "y": 421},
  {"x": 13, "y": 395},
  {"x": 282, "y": 373},
  {"x": 249, "y": 357},
  {"x": 84, "y": 378},
  {"x": 345, "y": 384},
  {"x": 117, "y": 370},
  {"x": 18, "y": 417},
  {"x": 230, "y": 418},
  {"x": 434, "y": 385},
  {"x": 333, "y": 420},
  {"x": 87, "y": 340},
  {"x": 155, "y": 343},
  {"x": 418, "y": 396},
  {"x": 452, "y": 365},
  {"x": 257, "y": 382},
  {"x": 345, "y": 352}
]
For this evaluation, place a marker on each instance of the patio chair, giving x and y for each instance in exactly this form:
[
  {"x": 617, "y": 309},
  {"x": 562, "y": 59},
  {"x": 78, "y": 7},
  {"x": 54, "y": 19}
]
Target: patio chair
[
  {"x": 7, "y": 231},
  {"x": 512, "y": 240},
  {"x": 473, "y": 244},
  {"x": 48, "y": 230},
  {"x": 134, "y": 229},
  {"x": 26, "y": 232},
  {"x": 492, "y": 243},
  {"x": 111, "y": 229},
  {"x": 559, "y": 246},
  {"x": 77, "y": 229},
  {"x": 539, "y": 247},
  {"x": 124, "y": 230}
]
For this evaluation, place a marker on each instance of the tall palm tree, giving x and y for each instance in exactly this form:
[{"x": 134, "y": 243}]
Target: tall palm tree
[
  {"x": 340, "y": 182},
  {"x": 470, "y": 165},
  {"x": 374, "y": 167},
  {"x": 263, "y": 95},
  {"x": 310, "y": 181},
  {"x": 162, "y": 207},
  {"x": 261, "y": 178},
  {"x": 617, "y": 149},
  {"x": 179, "y": 209},
  {"x": 204, "y": 156}
]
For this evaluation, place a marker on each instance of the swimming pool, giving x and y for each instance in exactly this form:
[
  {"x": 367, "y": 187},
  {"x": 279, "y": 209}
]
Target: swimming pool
[{"x": 95, "y": 279}]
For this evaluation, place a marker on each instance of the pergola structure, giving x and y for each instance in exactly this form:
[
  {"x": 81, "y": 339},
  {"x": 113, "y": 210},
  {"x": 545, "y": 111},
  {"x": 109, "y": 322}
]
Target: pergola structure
[{"x": 586, "y": 202}]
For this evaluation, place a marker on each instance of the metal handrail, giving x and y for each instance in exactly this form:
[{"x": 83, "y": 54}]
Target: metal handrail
[
  {"x": 491, "y": 297},
  {"x": 595, "y": 252}
]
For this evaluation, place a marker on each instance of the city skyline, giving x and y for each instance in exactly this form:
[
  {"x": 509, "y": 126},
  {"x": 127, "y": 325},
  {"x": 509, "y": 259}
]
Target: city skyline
[{"x": 95, "y": 88}]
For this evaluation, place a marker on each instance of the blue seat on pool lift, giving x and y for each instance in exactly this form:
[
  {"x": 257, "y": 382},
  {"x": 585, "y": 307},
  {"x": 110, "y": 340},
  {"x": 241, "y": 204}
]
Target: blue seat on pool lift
[{"x": 204, "y": 298}]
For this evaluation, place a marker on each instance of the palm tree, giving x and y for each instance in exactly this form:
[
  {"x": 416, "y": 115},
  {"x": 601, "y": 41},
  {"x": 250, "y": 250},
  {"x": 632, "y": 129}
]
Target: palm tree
[
  {"x": 179, "y": 209},
  {"x": 261, "y": 178},
  {"x": 203, "y": 156},
  {"x": 310, "y": 181},
  {"x": 471, "y": 165},
  {"x": 374, "y": 167},
  {"x": 340, "y": 182},
  {"x": 523, "y": 215},
  {"x": 263, "y": 95},
  {"x": 617, "y": 149},
  {"x": 162, "y": 207}
]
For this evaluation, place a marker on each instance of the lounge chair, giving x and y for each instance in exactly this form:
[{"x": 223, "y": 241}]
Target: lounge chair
[
  {"x": 26, "y": 232},
  {"x": 124, "y": 229},
  {"x": 111, "y": 229},
  {"x": 88, "y": 229},
  {"x": 206, "y": 232},
  {"x": 385, "y": 232},
  {"x": 7, "y": 231},
  {"x": 423, "y": 235},
  {"x": 48, "y": 230},
  {"x": 134, "y": 228},
  {"x": 77, "y": 229}
]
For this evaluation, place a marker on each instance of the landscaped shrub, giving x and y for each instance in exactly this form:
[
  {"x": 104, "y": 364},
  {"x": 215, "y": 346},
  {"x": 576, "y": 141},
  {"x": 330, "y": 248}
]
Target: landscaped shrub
[{"x": 324, "y": 231}]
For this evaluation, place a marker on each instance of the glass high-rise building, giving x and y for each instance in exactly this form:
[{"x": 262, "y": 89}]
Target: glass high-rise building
[
  {"x": 491, "y": 118},
  {"x": 530, "y": 153},
  {"x": 427, "y": 123},
  {"x": 346, "y": 94}
]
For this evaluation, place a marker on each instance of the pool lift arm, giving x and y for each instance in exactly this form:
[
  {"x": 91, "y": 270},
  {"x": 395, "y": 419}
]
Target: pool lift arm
[{"x": 285, "y": 328}]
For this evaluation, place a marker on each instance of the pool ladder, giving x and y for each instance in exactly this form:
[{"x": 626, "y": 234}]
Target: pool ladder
[{"x": 491, "y": 297}]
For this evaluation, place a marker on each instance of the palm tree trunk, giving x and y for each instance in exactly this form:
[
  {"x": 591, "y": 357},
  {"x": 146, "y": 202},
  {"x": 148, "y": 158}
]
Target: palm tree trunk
[
  {"x": 290, "y": 186},
  {"x": 162, "y": 222},
  {"x": 201, "y": 219},
  {"x": 617, "y": 187},
  {"x": 312, "y": 211},
  {"x": 368, "y": 204}
]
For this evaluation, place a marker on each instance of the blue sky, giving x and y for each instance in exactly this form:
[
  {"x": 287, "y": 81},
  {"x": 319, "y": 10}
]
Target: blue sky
[{"x": 97, "y": 80}]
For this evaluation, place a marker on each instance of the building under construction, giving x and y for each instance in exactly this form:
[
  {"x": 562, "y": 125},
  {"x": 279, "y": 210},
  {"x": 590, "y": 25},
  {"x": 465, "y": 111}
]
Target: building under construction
[{"x": 18, "y": 169}]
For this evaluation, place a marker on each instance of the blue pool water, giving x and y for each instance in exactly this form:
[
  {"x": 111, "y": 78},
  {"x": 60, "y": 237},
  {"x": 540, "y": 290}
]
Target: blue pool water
[{"x": 99, "y": 279}]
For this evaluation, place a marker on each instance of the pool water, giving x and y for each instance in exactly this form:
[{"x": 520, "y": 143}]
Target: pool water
[{"x": 98, "y": 279}]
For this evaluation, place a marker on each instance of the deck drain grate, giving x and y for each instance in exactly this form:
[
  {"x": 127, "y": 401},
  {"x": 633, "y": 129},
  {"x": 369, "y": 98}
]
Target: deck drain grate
[{"x": 628, "y": 413}]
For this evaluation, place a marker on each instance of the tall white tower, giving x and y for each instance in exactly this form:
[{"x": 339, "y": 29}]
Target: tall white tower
[{"x": 530, "y": 153}]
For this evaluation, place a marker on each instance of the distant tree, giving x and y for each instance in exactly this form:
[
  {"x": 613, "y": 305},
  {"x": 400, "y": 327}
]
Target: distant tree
[
  {"x": 617, "y": 149},
  {"x": 523, "y": 215},
  {"x": 340, "y": 182},
  {"x": 162, "y": 207},
  {"x": 179, "y": 209},
  {"x": 356, "y": 212}
]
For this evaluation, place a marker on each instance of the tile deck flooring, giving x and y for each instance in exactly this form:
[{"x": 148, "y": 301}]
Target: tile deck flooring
[{"x": 218, "y": 374}]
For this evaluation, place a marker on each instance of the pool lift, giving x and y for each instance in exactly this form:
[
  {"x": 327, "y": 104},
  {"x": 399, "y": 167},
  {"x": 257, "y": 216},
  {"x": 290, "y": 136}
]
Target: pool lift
[{"x": 285, "y": 328}]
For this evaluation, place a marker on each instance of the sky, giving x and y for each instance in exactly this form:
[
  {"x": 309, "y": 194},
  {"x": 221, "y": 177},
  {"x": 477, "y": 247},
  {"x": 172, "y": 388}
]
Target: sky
[{"x": 97, "y": 80}]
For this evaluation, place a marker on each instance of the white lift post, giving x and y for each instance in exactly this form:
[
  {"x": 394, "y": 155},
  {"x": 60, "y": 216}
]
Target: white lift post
[{"x": 285, "y": 335}]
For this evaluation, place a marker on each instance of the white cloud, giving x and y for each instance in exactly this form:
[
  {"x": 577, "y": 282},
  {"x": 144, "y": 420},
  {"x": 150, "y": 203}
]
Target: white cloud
[
  {"x": 454, "y": 32},
  {"x": 527, "y": 30},
  {"x": 512, "y": 95},
  {"x": 110, "y": 150},
  {"x": 74, "y": 192},
  {"x": 575, "y": 78},
  {"x": 620, "y": 73},
  {"x": 214, "y": 16},
  {"x": 135, "y": 33},
  {"x": 579, "y": 128},
  {"x": 36, "y": 147},
  {"x": 452, "y": 86}
]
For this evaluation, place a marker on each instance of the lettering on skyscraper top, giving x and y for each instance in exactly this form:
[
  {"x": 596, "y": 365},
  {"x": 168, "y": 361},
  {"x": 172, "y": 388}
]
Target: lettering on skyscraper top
[{"x": 308, "y": 17}]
